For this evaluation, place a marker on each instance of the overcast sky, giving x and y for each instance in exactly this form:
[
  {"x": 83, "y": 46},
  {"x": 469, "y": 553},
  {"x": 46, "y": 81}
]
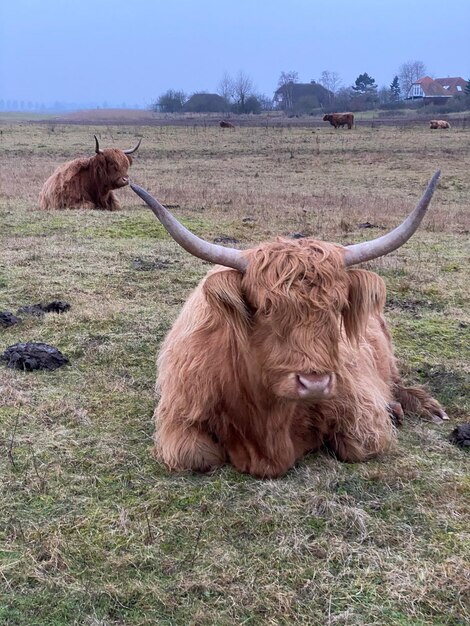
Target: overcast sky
[{"x": 132, "y": 51}]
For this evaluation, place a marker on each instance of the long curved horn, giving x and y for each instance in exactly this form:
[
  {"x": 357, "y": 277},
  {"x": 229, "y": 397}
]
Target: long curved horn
[
  {"x": 97, "y": 145},
  {"x": 134, "y": 149},
  {"x": 230, "y": 257},
  {"x": 368, "y": 250}
]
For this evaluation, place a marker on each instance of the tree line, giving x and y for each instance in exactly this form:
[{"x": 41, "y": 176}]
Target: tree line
[
  {"x": 238, "y": 94},
  {"x": 234, "y": 94}
]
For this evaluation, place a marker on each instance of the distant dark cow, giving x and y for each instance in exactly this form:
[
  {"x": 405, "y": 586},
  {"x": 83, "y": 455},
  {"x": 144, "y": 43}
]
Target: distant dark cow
[
  {"x": 439, "y": 124},
  {"x": 88, "y": 182},
  {"x": 225, "y": 124},
  {"x": 338, "y": 120}
]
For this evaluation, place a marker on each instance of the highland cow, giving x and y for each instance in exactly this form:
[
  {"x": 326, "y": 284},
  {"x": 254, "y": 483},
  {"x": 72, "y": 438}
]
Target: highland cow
[
  {"x": 438, "y": 124},
  {"x": 88, "y": 182},
  {"x": 280, "y": 350},
  {"x": 225, "y": 124},
  {"x": 338, "y": 120}
]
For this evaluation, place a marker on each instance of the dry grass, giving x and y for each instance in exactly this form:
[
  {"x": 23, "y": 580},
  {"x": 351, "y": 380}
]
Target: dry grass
[{"x": 92, "y": 531}]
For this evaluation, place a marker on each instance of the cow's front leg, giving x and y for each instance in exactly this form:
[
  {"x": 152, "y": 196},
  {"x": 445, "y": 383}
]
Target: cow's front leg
[
  {"x": 266, "y": 456},
  {"x": 362, "y": 437},
  {"x": 187, "y": 447},
  {"x": 245, "y": 457}
]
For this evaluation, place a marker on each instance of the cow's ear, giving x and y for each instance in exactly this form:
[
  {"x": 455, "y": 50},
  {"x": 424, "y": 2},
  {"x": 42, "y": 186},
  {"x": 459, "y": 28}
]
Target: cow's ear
[
  {"x": 223, "y": 290},
  {"x": 366, "y": 297}
]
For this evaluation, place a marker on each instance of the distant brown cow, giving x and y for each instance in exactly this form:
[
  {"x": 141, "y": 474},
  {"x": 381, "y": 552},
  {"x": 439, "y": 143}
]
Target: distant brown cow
[
  {"x": 225, "y": 124},
  {"x": 338, "y": 120},
  {"x": 439, "y": 124},
  {"x": 88, "y": 182}
]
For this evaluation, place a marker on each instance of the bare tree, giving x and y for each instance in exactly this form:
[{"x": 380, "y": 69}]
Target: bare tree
[
  {"x": 409, "y": 73},
  {"x": 330, "y": 80},
  {"x": 288, "y": 77},
  {"x": 243, "y": 87},
  {"x": 266, "y": 103},
  {"x": 226, "y": 87},
  {"x": 286, "y": 84}
]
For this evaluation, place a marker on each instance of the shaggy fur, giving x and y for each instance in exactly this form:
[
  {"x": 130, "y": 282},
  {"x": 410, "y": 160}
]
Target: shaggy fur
[
  {"x": 229, "y": 368},
  {"x": 438, "y": 124},
  {"x": 338, "y": 120},
  {"x": 87, "y": 182}
]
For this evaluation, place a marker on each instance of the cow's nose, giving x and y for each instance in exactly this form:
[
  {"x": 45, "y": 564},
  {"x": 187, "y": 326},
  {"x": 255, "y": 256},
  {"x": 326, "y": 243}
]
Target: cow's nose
[
  {"x": 125, "y": 179},
  {"x": 315, "y": 385}
]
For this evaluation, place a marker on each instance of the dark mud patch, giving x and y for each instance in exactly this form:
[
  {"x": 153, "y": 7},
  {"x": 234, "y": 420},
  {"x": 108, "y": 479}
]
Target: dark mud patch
[
  {"x": 414, "y": 306},
  {"x": 442, "y": 378},
  {"x": 7, "y": 319},
  {"x": 148, "y": 265},
  {"x": 460, "y": 436},
  {"x": 225, "y": 239},
  {"x": 299, "y": 235},
  {"x": 56, "y": 306},
  {"x": 33, "y": 356},
  {"x": 451, "y": 388},
  {"x": 370, "y": 225}
]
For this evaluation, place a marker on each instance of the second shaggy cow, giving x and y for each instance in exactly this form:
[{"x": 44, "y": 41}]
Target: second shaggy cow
[
  {"x": 88, "y": 182},
  {"x": 433, "y": 124}
]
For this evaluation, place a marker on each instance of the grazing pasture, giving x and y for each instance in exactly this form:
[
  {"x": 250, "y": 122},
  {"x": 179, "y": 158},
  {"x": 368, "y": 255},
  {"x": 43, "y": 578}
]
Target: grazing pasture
[{"x": 93, "y": 532}]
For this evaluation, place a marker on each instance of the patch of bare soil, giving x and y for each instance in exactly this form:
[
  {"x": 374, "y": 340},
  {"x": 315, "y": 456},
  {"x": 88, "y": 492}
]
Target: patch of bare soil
[
  {"x": 442, "y": 379},
  {"x": 225, "y": 239},
  {"x": 414, "y": 306},
  {"x": 451, "y": 387},
  {"x": 147, "y": 265}
]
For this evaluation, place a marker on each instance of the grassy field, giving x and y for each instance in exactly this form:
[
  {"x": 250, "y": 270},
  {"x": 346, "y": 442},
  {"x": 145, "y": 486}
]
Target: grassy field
[{"x": 93, "y": 532}]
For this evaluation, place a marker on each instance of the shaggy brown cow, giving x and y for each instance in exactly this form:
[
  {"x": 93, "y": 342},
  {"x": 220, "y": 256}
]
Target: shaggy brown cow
[
  {"x": 88, "y": 182},
  {"x": 281, "y": 350},
  {"x": 438, "y": 124},
  {"x": 225, "y": 124},
  {"x": 338, "y": 120}
]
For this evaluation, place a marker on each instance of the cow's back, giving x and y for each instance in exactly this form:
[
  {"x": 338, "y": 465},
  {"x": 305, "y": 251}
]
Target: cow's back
[{"x": 64, "y": 188}]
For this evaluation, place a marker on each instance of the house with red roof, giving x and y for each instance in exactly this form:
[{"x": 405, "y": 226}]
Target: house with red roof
[{"x": 436, "y": 89}]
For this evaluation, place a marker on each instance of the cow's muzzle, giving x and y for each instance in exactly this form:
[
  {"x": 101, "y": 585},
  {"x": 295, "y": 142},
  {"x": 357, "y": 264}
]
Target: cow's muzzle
[
  {"x": 122, "y": 181},
  {"x": 315, "y": 386}
]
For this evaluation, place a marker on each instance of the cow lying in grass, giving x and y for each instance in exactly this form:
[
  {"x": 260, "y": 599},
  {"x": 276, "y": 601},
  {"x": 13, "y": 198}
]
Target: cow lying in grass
[
  {"x": 282, "y": 349},
  {"x": 88, "y": 182},
  {"x": 438, "y": 124}
]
